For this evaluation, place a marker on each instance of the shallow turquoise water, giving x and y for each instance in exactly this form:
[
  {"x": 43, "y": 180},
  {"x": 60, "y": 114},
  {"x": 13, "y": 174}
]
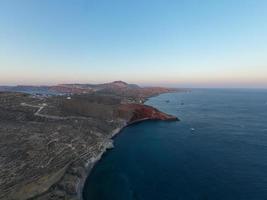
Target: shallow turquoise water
[{"x": 225, "y": 157}]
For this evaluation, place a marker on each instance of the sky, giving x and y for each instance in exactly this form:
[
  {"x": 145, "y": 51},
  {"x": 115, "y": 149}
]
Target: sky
[{"x": 184, "y": 43}]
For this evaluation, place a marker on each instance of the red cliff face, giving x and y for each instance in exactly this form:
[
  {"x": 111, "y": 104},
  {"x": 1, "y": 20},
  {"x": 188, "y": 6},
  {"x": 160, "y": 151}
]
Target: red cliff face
[{"x": 137, "y": 112}]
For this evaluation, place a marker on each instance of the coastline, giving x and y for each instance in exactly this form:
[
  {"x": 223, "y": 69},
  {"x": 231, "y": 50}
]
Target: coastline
[
  {"x": 109, "y": 145},
  {"x": 93, "y": 161},
  {"x": 67, "y": 153}
]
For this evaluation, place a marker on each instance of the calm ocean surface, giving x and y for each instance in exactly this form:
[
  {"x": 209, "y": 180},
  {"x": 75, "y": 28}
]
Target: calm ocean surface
[{"x": 223, "y": 158}]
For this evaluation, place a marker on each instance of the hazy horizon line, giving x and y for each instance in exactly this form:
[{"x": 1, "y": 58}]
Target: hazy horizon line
[{"x": 170, "y": 85}]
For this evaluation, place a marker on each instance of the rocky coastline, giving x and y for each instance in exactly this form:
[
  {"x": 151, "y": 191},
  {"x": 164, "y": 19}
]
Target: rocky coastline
[
  {"x": 109, "y": 145},
  {"x": 93, "y": 161},
  {"x": 78, "y": 180},
  {"x": 49, "y": 145}
]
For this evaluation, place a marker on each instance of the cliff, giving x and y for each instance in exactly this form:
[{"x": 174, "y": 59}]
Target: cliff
[
  {"x": 140, "y": 112},
  {"x": 48, "y": 145}
]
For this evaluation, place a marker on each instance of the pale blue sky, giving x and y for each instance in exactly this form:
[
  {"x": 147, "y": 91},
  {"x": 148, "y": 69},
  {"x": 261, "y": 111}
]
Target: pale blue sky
[{"x": 187, "y": 43}]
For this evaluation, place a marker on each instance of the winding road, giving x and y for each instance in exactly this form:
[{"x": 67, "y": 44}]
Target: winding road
[{"x": 42, "y": 106}]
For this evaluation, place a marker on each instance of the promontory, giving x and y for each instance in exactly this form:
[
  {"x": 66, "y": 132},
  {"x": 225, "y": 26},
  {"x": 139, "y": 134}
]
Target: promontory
[{"x": 51, "y": 136}]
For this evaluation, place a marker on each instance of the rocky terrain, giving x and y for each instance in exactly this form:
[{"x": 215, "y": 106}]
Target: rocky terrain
[
  {"x": 117, "y": 87},
  {"x": 49, "y": 143}
]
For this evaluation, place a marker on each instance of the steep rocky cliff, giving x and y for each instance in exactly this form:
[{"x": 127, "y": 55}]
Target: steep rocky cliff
[
  {"x": 49, "y": 144},
  {"x": 139, "y": 112}
]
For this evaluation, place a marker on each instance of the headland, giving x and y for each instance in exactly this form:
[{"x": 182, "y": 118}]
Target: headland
[{"x": 51, "y": 136}]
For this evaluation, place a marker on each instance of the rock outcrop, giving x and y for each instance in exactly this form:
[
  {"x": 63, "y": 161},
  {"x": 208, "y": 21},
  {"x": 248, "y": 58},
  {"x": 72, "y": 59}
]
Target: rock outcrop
[{"x": 139, "y": 112}]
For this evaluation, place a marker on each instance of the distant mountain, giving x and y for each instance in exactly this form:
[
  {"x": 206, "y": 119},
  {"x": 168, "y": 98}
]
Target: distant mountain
[
  {"x": 119, "y": 88},
  {"x": 115, "y": 84},
  {"x": 121, "y": 84}
]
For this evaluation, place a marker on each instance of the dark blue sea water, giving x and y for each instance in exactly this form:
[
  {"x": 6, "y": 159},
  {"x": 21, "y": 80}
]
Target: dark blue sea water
[{"x": 224, "y": 158}]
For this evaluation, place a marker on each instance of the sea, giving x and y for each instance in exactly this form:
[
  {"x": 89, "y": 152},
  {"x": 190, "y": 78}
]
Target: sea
[{"x": 217, "y": 151}]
